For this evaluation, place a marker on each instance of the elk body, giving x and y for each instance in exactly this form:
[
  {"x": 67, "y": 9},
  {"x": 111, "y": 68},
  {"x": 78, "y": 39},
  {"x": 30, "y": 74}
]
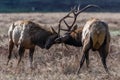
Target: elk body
[
  {"x": 26, "y": 35},
  {"x": 95, "y": 36}
]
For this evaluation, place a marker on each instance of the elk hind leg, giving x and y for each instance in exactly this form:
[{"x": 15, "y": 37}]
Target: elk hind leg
[
  {"x": 87, "y": 59},
  {"x": 10, "y": 49},
  {"x": 103, "y": 54},
  {"x": 85, "y": 55},
  {"x": 21, "y": 51}
]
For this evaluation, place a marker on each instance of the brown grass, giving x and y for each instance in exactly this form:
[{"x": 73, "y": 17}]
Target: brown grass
[{"x": 59, "y": 63}]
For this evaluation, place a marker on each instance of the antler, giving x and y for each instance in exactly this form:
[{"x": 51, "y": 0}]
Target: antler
[
  {"x": 63, "y": 19},
  {"x": 83, "y": 9},
  {"x": 75, "y": 12}
]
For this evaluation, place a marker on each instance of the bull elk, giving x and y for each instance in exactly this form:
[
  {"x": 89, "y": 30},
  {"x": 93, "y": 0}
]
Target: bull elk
[
  {"x": 26, "y": 34},
  {"x": 94, "y": 35}
]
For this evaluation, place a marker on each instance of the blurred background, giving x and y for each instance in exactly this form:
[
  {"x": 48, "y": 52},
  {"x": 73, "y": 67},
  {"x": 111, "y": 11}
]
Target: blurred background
[{"x": 55, "y": 5}]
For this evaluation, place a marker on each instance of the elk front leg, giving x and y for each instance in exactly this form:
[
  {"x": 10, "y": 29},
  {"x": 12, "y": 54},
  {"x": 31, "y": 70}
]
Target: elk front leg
[
  {"x": 10, "y": 48},
  {"x": 31, "y": 51}
]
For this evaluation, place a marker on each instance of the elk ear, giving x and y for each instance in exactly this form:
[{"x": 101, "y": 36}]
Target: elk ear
[
  {"x": 75, "y": 27},
  {"x": 52, "y": 30}
]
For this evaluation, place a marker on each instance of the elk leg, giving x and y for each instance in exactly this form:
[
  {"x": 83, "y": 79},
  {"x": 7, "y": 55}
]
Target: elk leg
[
  {"x": 89, "y": 45},
  {"x": 31, "y": 51},
  {"x": 21, "y": 52},
  {"x": 103, "y": 54},
  {"x": 10, "y": 48},
  {"x": 85, "y": 53},
  {"x": 104, "y": 64},
  {"x": 87, "y": 59}
]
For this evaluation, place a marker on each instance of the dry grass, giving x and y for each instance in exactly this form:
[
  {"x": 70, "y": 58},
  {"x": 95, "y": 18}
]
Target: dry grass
[{"x": 59, "y": 63}]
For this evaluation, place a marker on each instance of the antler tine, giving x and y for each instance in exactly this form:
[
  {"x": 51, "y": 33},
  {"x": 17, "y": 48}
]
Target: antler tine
[
  {"x": 75, "y": 17},
  {"x": 66, "y": 24},
  {"x": 59, "y": 29},
  {"x": 88, "y": 6},
  {"x": 78, "y": 8},
  {"x": 74, "y": 7},
  {"x": 64, "y": 29}
]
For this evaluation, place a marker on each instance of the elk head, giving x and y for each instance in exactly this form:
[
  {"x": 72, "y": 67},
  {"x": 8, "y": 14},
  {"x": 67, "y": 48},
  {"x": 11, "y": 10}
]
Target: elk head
[{"x": 51, "y": 39}]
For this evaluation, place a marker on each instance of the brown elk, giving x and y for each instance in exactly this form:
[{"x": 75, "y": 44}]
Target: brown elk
[
  {"x": 26, "y": 34},
  {"x": 94, "y": 35}
]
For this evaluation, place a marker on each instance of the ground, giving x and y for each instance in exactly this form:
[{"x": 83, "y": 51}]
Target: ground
[{"x": 59, "y": 63}]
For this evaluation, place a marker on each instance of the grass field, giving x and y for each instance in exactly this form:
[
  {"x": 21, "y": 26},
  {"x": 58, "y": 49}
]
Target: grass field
[{"x": 59, "y": 63}]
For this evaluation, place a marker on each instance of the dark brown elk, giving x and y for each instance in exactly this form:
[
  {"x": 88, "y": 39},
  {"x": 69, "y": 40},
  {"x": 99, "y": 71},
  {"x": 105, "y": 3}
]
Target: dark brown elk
[
  {"x": 94, "y": 35},
  {"x": 26, "y": 35}
]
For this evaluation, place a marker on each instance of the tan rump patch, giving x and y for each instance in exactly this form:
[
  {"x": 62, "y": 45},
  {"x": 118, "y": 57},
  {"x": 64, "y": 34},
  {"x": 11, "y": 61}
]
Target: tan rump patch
[{"x": 98, "y": 40}]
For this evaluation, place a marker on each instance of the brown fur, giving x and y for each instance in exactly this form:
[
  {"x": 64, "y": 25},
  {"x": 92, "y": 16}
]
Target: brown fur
[
  {"x": 26, "y": 35},
  {"x": 77, "y": 34},
  {"x": 95, "y": 36}
]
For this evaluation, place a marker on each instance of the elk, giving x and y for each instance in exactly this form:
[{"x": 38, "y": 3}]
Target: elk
[
  {"x": 26, "y": 34},
  {"x": 94, "y": 35}
]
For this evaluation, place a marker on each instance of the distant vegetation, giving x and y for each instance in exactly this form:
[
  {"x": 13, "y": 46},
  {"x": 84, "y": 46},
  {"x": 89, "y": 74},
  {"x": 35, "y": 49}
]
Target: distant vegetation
[{"x": 54, "y": 5}]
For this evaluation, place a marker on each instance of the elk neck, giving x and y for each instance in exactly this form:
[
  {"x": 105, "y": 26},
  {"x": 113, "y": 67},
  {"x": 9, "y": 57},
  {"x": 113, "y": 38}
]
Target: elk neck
[
  {"x": 74, "y": 39},
  {"x": 40, "y": 38}
]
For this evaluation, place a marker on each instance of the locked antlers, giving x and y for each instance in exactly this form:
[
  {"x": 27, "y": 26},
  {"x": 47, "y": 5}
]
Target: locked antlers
[{"x": 75, "y": 11}]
